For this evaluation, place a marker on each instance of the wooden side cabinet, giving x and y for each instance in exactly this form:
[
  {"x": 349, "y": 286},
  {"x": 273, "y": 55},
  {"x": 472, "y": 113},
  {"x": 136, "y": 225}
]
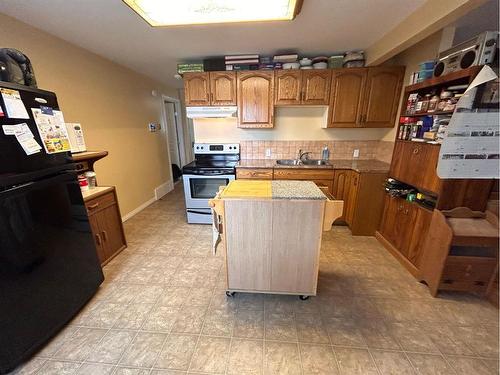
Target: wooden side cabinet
[
  {"x": 255, "y": 92},
  {"x": 105, "y": 222}
]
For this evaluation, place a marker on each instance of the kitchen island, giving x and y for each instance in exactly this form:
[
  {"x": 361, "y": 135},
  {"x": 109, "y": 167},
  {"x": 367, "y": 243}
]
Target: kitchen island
[{"x": 271, "y": 233}]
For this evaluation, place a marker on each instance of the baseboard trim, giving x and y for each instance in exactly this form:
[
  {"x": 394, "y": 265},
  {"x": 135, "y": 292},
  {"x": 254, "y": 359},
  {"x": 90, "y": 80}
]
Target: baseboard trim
[
  {"x": 138, "y": 209},
  {"x": 163, "y": 189},
  {"x": 159, "y": 192}
]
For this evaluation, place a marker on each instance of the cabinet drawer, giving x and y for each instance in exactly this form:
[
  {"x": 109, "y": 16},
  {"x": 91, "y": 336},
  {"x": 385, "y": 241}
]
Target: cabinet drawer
[
  {"x": 471, "y": 269},
  {"x": 100, "y": 202},
  {"x": 258, "y": 173},
  {"x": 325, "y": 184},
  {"x": 303, "y": 174}
]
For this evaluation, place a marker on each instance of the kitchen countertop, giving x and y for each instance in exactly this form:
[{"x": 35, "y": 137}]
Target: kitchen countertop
[
  {"x": 96, "y": 192},
  {"x": 296, "y": 190},
  {"x": 369, "y": 165},
  {"x": 266, "y": 189}
]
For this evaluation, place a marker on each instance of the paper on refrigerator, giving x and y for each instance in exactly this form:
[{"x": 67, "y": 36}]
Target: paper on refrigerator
[
  {"x": 52, "y": 130},
  {"x": 14, "y": 105},
  {"x": 26, "y": 139},
  {"x": 471, "y": 147}
]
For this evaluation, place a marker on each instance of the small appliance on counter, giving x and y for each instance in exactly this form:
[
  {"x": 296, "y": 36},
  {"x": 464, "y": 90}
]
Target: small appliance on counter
[
  {"x": 214, "y": 166},
  {"x": 480, "y": 50}
]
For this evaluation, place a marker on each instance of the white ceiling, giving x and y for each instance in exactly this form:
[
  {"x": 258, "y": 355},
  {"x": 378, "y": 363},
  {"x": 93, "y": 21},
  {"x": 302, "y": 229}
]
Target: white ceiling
[{"x": 110, "y": 29}]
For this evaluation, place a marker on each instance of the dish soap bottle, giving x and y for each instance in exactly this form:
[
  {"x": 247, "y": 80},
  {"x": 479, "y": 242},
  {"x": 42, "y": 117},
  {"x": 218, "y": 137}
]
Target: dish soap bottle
[{"x": 325, "y": 153}]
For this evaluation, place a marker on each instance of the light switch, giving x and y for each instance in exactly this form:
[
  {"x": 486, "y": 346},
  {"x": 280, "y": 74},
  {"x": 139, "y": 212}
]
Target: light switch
[
  {"x": 268, "y": 152},
  {"x": 355, "y": 154}
]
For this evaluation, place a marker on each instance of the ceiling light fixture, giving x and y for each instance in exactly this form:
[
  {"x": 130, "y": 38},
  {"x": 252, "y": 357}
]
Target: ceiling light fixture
[{"x": 196, "y": 12}]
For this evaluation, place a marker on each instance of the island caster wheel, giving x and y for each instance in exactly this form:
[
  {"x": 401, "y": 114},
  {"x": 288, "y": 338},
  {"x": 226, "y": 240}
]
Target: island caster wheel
[
  {"x": 230, "y": 294},
  {"x": 303, "y": 298}
]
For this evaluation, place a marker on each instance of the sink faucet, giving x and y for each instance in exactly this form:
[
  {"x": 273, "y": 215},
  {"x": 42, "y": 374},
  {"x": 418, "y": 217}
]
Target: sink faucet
[{"x": 301, "y": 155}]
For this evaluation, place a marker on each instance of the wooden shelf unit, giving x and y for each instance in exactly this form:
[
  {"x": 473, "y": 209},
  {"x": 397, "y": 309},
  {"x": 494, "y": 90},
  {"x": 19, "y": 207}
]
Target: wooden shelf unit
[{"x": 405, "y": 225}]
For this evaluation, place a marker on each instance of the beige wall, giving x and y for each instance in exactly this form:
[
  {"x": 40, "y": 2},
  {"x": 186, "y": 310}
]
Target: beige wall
[
  {"x": 425, "y": 50},
  {"x": 291, "y": 124},
  {"x": 113, "y": 104}
]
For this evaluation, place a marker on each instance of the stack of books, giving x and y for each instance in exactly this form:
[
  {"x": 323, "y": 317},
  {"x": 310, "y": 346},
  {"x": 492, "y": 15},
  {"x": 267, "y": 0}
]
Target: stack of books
[
  {"x": 184, "y": 68},
  {"x": 290, "y": 58},
  {"x": 241, "y": 62}
]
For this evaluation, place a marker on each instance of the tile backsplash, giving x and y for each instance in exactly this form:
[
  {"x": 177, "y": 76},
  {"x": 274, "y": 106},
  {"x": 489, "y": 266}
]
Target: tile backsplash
[{"x": 289, "y": 149}]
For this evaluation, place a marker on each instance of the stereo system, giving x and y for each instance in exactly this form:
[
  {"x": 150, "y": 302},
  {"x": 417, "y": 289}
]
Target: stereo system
[{"x": 479, "y": 50}]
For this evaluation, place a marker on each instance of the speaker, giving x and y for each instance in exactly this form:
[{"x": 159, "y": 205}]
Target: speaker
[{"x": 479, "y": 50}]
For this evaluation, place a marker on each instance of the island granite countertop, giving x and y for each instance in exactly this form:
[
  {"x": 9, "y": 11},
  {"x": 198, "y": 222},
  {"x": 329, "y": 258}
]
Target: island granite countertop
[
  {"x": 361, "y": 166},
  {"x": 276, "y": 189}
]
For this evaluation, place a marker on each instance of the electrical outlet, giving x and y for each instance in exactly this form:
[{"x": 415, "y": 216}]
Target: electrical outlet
[
  {"x": 268, "y": 152},
  {"x": 355, "y": 153}
]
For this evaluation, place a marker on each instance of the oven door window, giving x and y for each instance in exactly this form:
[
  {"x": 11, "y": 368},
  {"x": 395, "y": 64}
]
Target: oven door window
[{"x": 206, "y": 188}]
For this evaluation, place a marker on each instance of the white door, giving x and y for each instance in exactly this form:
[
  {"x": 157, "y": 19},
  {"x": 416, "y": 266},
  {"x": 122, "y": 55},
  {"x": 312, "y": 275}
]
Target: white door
[{"x": 173, "y": 136}]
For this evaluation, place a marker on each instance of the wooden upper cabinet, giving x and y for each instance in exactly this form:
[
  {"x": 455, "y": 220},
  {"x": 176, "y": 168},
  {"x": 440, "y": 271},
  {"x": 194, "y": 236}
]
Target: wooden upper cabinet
[
  {"x": 223, "y": 88},
  {"x": 316, "y": 86},
  {"x": 255, "y": 93},
  {"x": 382, "y": 93},
  {"x": 288, "y": 87},
  {"x": 295, "y": 87},
  {"x": 346, "y": 97},
  {"x": 197, "y": 89}
]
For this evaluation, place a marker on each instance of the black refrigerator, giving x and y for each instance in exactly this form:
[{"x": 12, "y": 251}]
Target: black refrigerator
[{"x": 48, "y": 262}]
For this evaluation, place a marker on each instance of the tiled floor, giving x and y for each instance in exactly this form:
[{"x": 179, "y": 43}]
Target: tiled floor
[{"x": 162, "y": 310}]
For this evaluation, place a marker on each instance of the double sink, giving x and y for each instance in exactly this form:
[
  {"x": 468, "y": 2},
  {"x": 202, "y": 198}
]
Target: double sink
[{"x": 292, "y": 162}]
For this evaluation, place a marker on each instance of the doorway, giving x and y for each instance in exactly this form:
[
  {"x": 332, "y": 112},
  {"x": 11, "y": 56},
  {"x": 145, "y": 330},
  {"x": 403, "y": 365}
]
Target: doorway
[{"x": 174, "y": 136}]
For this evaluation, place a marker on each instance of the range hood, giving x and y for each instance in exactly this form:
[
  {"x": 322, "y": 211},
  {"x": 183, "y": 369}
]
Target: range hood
[{"x": 211, "y": 112}]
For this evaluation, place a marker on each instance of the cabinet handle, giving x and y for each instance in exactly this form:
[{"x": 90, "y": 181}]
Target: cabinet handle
[
  {"x": 211, "y": 97},
  {"x": 98, "y": 239},
  {"x": 93, "y": 206},
  {"x": 406, "y": 212},
  {"x": 415, "y": 150},
  {"x": 104, "y": 235}
]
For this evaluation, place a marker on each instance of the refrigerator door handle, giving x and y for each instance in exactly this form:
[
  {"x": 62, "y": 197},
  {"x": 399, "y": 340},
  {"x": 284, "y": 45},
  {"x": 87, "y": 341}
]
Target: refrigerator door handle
[{"x": 26, "y": 187}]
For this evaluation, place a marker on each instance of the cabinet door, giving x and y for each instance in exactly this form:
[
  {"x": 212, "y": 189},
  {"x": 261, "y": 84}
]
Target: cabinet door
[
  {"x": 248, "y": 262},
  {"x": 397, "y": 163},
  {"x": 352, "y": 197},
  {"x": 197, "y": 89},
  {"x": 295, "y": 254},
  {"x": 223, "y": 88},
  {"x": 346, "y": 97},
  {"x": 110, "y": 225},
  {"x": 420, "y": 227},
  {"x": 316, "y": 86},
  {"x": 288, "y": 87},
  {"x": 341, "y": 183},
  {"x": 389, "y": 219},
  {"x": 382, "y": 93},
  {"x": 397, "y": 223},
  {"x": 430, "y": 179},
  {"x": 255, "y": 90},
  {"x": 94, "y": 225}
]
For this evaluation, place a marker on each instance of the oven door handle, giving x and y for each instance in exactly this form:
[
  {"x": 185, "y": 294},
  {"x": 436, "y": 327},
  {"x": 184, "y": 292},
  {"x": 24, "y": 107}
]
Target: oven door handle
[
  {"x": 216, "y": 173},
  {"x": 199, "y": 212}
]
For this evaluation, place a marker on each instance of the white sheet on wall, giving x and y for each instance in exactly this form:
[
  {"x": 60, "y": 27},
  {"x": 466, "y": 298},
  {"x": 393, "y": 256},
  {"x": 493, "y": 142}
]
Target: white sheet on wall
[{"x": 471, "y": 147}]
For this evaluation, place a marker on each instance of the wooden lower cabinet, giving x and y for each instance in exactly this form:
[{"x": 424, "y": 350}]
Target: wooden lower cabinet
[
  {"x": 362, "y": 193},
  {"x": 363, "y": 196},
  {"x": 106, "y": 224},
  {"x": 404, "y": 228},
  {"x": 254, "y": 173}
]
